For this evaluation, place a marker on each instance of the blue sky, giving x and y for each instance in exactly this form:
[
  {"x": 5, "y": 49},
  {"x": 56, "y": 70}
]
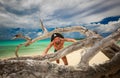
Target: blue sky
[{"x": 22, "y": 16}]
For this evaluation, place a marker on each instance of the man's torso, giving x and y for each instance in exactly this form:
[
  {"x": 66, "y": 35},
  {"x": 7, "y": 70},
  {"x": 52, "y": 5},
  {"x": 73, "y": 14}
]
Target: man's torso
[{"x": 58, "y": 43}]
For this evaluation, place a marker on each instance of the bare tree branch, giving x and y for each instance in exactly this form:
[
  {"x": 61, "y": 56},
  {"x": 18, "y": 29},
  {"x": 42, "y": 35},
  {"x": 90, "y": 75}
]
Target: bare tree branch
[
  {"x": 27, "y": 38},
  {"x": 35, "y": 67},
  {"x": 17, "y": 48},
  {"x": 21, "y": 36},
  {"x": 42, "y": 69},
  {"x": 96, "y": 42},
  {"x": 80, "y": 29},
  {"x": 43, "y": 27},
  {"x": 97, "y": 47},
  {"x": 69, "y": 49}
]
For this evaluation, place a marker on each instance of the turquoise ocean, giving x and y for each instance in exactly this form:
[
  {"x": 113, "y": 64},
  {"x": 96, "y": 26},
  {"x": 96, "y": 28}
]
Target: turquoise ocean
[{"x": 7, "y": 48}]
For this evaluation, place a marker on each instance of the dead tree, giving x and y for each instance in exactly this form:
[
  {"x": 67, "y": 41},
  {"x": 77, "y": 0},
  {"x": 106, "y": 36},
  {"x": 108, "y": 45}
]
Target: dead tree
[
  {"x": 34, "y": 67},
  {"x": 113, "y": 48},
  {"x": 40, "y": 67}
]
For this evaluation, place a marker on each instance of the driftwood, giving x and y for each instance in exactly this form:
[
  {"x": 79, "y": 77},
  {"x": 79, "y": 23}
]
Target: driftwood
[
  {"x": 43, "y": 69},
  {"x": 40, "y": 67},
  {"x": 47, "y": 34},
  {"x": 80, "y": 29}
]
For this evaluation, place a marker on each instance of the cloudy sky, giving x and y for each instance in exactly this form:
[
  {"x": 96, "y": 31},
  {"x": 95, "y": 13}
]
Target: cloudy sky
[{"x": 18, "y": 15}]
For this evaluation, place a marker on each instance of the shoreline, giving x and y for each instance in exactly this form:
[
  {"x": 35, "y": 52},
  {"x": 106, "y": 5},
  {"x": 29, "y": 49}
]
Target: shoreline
[{"x": 74, "y": 58}]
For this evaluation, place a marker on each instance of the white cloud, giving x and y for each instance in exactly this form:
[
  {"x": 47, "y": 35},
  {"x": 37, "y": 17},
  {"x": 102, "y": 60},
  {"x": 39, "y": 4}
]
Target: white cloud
[
  {"x": 39, "y": 33},
  {"x": 56, "y": 13},
  {"x": 21, "y": 4},
  {"x": 110, "y": 27}
]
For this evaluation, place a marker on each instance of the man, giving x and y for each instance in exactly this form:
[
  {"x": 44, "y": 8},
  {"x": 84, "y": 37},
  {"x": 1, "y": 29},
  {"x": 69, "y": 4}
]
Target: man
[{"x": 57, "y": 40}]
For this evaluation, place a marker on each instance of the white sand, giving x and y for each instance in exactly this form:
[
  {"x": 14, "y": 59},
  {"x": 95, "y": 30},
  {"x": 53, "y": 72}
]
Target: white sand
[{"x": 74, "y": 58}]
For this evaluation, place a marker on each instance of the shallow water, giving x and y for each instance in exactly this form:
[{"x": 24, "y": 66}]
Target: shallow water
[{"x": 7, "y": 47}]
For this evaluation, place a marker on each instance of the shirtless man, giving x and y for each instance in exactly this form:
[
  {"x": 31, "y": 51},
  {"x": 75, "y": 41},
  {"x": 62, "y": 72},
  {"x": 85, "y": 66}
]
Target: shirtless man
[{"x": 57, "y": 40}]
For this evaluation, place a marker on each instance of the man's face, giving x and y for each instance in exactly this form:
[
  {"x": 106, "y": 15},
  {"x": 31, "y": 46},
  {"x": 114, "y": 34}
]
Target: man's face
[{"x": 57, "y": 40}]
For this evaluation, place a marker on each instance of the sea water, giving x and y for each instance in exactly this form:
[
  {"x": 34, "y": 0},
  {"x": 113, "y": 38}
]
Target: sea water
[{"x": 8, "y": 47}]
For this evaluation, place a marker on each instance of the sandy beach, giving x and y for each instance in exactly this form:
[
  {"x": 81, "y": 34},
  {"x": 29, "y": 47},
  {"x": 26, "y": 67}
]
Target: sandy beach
[
  {"x": 74, "y": 58},
  {"x": 7, "y": 51}
]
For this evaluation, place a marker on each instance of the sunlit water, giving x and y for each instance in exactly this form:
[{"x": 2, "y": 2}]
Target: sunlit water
[{"x": 7, "y": 48}]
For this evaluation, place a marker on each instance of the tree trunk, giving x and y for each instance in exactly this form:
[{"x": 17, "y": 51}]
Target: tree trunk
[
  {"x": 40, "y": 67},
  {"x": 43, "y": 69},
  {"x": 89, "y": 54},
  {"x": 111, "y": 50}
]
